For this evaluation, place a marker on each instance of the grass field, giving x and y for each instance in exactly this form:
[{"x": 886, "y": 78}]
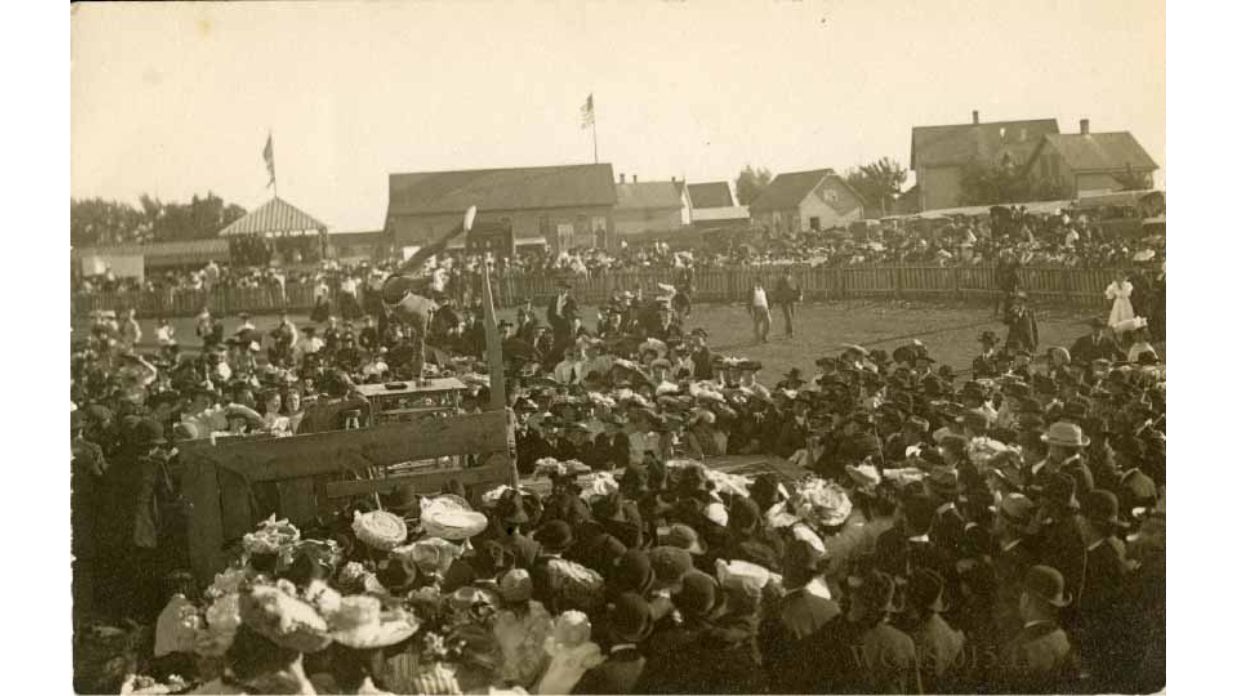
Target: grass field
[{"x": 949, "y": 331}]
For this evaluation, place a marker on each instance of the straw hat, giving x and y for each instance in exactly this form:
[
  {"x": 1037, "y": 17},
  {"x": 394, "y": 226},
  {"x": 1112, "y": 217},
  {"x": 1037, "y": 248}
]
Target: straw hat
[
  {"x": 359, "y": 624},
  {"x": 1065, "y": 434},
  {"x": 380, "y": 529}
]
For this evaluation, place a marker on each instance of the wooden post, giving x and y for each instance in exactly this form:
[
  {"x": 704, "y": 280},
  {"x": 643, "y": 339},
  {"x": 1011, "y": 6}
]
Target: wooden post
[
  {"x": 493, "y": 347},
  {"x": 205, "y": 524}
]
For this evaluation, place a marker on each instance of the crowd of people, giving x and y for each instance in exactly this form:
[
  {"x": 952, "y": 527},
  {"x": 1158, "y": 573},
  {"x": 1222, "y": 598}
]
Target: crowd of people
[
  {"x": 1061, "y": 239},
  {"x": 1002, "y": 533}
]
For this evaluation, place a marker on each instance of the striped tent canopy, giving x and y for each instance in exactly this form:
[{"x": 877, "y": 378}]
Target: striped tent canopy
[{"x": 275, "y": 217}]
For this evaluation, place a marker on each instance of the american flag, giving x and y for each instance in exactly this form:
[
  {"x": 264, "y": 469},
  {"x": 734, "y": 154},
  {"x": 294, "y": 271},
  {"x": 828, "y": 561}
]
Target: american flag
[
  {"x": 586, "y": 114},
  {"x": 268, "y": 154}
]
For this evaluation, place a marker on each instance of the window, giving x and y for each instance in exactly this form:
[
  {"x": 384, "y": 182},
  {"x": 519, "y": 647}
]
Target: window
[
  {"x": 598, "y": 223},
  {"x": 815, "y": 221},
  {"x": 830, "y": 196}
]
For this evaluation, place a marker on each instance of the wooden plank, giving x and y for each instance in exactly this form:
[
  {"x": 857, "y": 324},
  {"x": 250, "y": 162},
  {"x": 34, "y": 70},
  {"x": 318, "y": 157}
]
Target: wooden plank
[
  {"x": 429, "y": 481},
  {"x": 297, "y": 500},
  {"x": 321, "y": 453},
  {"x": 235, "y": 512},
  {"x": 205, "y": 528}
]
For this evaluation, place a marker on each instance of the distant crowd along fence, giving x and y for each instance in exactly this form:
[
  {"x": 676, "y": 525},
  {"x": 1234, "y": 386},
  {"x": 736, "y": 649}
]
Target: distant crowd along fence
[{"x": 1081, "y": 287}]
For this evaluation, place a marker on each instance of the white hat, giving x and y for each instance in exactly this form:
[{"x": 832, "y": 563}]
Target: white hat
[
  {"x": 359, "y": 623},
  {"x": 451, "y": 518}
]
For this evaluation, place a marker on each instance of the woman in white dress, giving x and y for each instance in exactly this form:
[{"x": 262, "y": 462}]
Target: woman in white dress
[{"x": 1122, "y": 309}]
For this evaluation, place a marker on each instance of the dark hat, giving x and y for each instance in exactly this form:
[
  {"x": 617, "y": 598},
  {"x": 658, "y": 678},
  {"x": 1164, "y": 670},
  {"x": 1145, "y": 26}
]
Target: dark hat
[
  {"x": 988, "y": 338},
  {"x": 700, "y": 596},
  {"x": 401, "y": 500},
  {"x": 925, "y": 590},
  {"x": 555, "y": 536},
  {"x": 944, "y": 482},
  {"x": 1017, "y": 509},
  {"x": 684, "y": 537},
  {"x": 670, "y": 563},
  {"x": 744, "y": 515},
  {"x": 510, "y": 508},
  {"x": 699, "y": 331},
  {"x": 491, "y": 559},
  {"x": 633, "y": 573},
  {"x": 1047, "y": 584},
  {"x": 630, "y": 619},
  {"x": 149, "y": 431},
  {"x": 1101, "y": 506},
  {"x": 1097, "y": 323},
  {"x": 1060, "y": 488},
  {"x": 873, "y": 592}
]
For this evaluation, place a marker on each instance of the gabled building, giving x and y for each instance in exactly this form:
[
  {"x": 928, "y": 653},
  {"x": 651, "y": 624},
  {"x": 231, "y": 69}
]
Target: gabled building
[
  {"x": 939, "y": 155},
  {"x": 650, "y": 207},
  {"x": 563, "y": 206},
  {"x": 813, "y": 200},
  {"x": 1086, "y": 161}
]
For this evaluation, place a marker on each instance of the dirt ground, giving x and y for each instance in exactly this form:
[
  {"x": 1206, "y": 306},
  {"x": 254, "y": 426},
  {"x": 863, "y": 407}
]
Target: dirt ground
[{"x": 949, "y": 331}]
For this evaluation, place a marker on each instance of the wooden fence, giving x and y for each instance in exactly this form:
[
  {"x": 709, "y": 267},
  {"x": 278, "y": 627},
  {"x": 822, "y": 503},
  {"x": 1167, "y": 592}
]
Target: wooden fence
[
  {"x": 309, "y": 474},
  {"x": 1082, "y": 287}
]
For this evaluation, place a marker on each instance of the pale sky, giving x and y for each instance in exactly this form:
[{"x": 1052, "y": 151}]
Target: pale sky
[{"x": 174, "y": 99}]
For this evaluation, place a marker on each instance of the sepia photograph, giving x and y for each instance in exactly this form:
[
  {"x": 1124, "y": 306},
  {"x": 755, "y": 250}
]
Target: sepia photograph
[{"x": 655, "y": 347}]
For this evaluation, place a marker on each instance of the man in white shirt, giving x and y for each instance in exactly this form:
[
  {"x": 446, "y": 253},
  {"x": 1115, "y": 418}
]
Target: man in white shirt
[
  {"x": 311, "y": 344},
  {"x": 165, "y": 334},
  {"x": 759, "y": 312}
]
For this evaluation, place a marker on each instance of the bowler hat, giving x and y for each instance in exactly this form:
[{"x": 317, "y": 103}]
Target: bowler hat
[
  {"x": 700, "y": 596},
  {"x": 1101, "y": 506},
  {"x": 1047, "y": 584},
  {"x": 630, "y": 618},
  {"x": 555, "y": 535},
  {"x": 925, "y": 590},
  {"x": 684, "y": 537},
  {"x": 670, "y": 563},
  {"x": 633, "y": 572}
]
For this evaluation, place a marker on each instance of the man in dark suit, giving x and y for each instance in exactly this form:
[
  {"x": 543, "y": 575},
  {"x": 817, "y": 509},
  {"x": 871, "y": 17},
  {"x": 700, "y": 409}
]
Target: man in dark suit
[
  {"x": 560, "y": 313},
  {"x": 1094, "y": 345},
  {"x": 701, "y": 356},
  {"x": 629, "y": 622},
  {"x": 1103, "y": 639},
  {"x": 1040, "y": 658},
  {"x": 1023, "y": 329},
  {"x": 798, "y": 632},
  {"x": 985, "y": 365},
  {"x": 788, "y": 295}
]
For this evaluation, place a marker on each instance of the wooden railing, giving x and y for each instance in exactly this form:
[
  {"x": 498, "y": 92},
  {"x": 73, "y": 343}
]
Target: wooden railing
[{"x": 1081, "y": 287}]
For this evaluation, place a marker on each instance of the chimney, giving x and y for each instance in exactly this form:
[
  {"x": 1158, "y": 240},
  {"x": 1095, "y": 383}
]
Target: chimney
[
  {"x": 1085, "y": 126},
  {"x": 635, "y": 178},
  {"x": 974, "y": 115},
  {"x": 622, "y": 178}
]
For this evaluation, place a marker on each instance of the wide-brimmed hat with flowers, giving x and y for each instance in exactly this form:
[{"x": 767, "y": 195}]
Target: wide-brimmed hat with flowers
[
  {"x": 451, "y": 518},
  {"x": 283, "y": 619},
  {"x": 428, "y": 555},
  {"x": 271, "y": 536},
  {"x": 379, "y": 529},
  {"x": 360, "y": 623},
  {"x": 821, "y": 502}
]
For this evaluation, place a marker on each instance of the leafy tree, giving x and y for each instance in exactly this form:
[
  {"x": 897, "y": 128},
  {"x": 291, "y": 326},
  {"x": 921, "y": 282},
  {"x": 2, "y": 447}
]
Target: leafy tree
[
  {"x": 879, "y": 183},
  {"x": 995, "y": 185},
  {"x": 751, "y": 183},
  {"x": 1130, "y": 180},
  {"x": 98, "y": 222}
]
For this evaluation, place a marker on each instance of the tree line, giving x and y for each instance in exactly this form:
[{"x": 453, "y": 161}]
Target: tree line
[{"x": 100, "y": 222}]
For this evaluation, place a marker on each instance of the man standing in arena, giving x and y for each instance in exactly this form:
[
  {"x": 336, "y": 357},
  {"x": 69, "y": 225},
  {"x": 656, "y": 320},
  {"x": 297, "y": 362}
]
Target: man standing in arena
[{"x": 759, "y": 312}]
